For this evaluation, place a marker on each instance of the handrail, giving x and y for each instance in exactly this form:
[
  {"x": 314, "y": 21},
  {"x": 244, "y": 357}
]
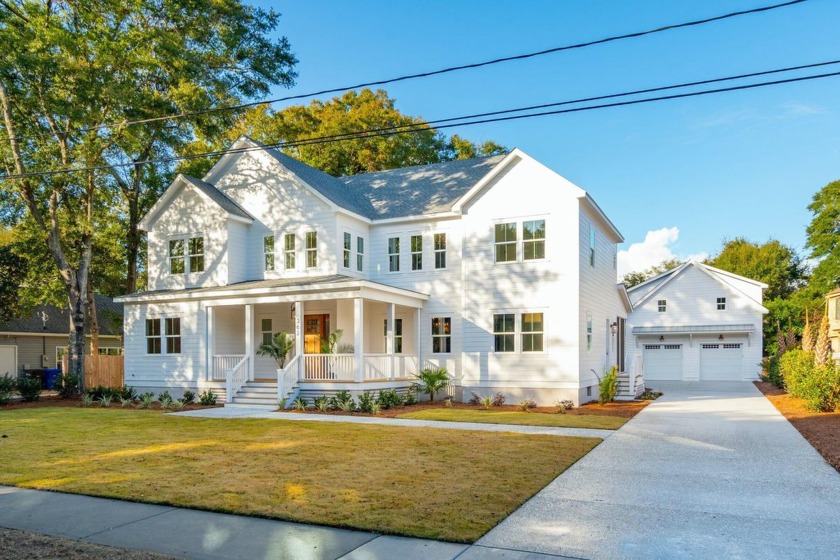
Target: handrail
[
  {"x": 235, "y": 378},
  {"x": 287, "y": 378},
  {"x": 224, "y": 362}
]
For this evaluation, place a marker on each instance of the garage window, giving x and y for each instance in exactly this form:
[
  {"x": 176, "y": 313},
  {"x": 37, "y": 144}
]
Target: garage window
[
  {"x": 661, "y": 305},
  {"x": 721, "y": 303}
]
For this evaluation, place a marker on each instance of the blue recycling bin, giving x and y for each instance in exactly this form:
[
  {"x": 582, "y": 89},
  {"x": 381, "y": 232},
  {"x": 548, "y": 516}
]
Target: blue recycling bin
[{"x": 50, "y": 377}]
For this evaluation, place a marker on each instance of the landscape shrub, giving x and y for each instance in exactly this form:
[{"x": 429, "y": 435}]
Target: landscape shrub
[
  {"x": 29, "y": 388},
  {"x": 300, "y": 404},
  {"x": 771, "y": 371},
  {"x": 475, "y": 399},
  {"x": 410, "y": 397},
  {"x": 7, "y": 386},
  {"x": 821, "y": 389},
  {"x": 433, "y": 380},
  {"x": 68, "y": 386},
  {"x": 164, "y": 395},
  {"x": 525, "y": 404},
  {"x": 564, "y": 405},
  {"x": 498, "y": 399},
  {"x": 146, "y": 400},
  {"x": 188, "y": 398},
  {"x": 795, "y": 368},
  {"x": 608, "y": 386},
  {"x": 366, "y": 402},
  {"x": 207, "y": 398},
  {"x": 322, "y": 403},
  {"x": 389, "y": 398}
]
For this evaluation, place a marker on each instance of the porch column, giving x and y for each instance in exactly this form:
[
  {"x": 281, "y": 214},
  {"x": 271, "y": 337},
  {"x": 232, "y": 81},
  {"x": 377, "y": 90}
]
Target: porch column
[
  {"x": 358, "y": 337},
  {"x": 249, "y": 339},
  {"x": 417, "y": 339},
  {"x": 211, "y": 344},
  {"x": 390, "y": 342},
  {"x": 299, "y": 337}
]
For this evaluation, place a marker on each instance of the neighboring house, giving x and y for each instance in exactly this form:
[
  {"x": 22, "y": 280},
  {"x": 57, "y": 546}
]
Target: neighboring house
[
  {"x": 832, "y": 307},
  {"x": 697, "y": 322},
  {"x": 495, "y": 268},
  {"x": 40, "y": 339}
]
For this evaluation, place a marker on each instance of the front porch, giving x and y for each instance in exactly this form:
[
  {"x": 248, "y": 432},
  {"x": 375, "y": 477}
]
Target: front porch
[{"x": 378, "y": 348}]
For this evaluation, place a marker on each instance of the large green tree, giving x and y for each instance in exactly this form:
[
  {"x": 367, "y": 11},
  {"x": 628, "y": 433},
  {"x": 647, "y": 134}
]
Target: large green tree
[
  {"x": 635, "y": 278},
  {"x": 69, "y": 69},
  {"x": 773, "y": 263},
  {"x": 823, "y": 239},
  {"x": 350, "y": 113}
]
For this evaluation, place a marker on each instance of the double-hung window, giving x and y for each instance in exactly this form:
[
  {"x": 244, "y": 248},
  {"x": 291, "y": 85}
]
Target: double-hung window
[
  {"x": 196, "y": 250},
  {"x": 268, "y": 252},
  {"x": 311, "y": 249},
  {"x": 398, "y": 335},
  {"x": 532, "y": 332},
  {"x": 170, "y": 333},
  {"x": 186, "y": 255},
  {"x": 360, "y": 254},
  {"x": 348, "y": 245},
  {"x": 177, "y": 263},
  {"x": 591, "y": 245},
  {"x": 661, "y": 305},
  {"x": 588, "y": 332},
  {"x": 505, "y": 242},
  {"x": 504, "y": 329},
  {"x": 416, "y": 252},
  {"x": 440, "y": 250},
  {"x": 533, "y": 240},
  {"x": 721, "y": 303},
  {"x": 289, "y": 251},
  {"x": 441, "y": 335},
  {"x": 394, "y": 254},
  {"x": 173, "y": 335},
  {"x": 153, "y": 336},
  {"x": 265, "y": 330}
]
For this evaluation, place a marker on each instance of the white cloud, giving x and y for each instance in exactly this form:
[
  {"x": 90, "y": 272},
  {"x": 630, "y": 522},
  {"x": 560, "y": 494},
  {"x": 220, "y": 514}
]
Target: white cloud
[{"x": 657, "y": 247}]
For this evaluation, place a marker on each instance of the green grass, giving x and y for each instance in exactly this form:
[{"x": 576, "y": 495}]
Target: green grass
[
  {"x": 518, "y": 418},
  {"x": 441, "y": 484}
]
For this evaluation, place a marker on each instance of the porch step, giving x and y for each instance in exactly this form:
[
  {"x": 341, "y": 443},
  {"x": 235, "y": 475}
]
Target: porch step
[
  {"x": 255, "y": 401},
  {"x": 257, "y": 393}
]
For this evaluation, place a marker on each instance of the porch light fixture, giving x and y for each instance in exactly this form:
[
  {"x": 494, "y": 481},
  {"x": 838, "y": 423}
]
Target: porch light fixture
[
  {"x": 614, "y": 327},
  {"x": 292, "y": 313},
  {"x": 661, "y": 338},
  {"x": 720, "y": 337}
]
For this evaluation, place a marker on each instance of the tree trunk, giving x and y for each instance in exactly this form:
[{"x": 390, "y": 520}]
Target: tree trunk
[
  {"x": 93, "y": 320},
  {"x": 78, "y": 303}
]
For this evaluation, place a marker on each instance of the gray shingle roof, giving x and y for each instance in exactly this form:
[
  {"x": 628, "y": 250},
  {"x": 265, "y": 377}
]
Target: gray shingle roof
[
  {"x": 226, "y": 203},
  {"x": 109, "y": 314}
]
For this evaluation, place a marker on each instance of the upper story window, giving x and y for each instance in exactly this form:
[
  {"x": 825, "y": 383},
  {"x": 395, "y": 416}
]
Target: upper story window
[
  {"x": 440, "y": 250},
  {"x": 394, "y": 254},
  {"x": 504, "y": 332},
  {"x": 721, "y": 303},
  {"x": 532, "y": 332},
  {"x": 186, "y": 255},
  {"x": 289, "y": 251},
  {"x": 591, "y": 245},
  {"x": 348, "y": 246},
  {"x": 416, "y": 252},
  {"x": 533, "y": 240},
  {"x": 588, "y": 332},
  {"x": 311, "y": 249},
  {"x": 661, "y": 305},
  {"x": 360, "y": 254},
  {"x": 505, "y": 241},
  {"x": 268, "y": 252},
  {"x": 441, "y": 335}
]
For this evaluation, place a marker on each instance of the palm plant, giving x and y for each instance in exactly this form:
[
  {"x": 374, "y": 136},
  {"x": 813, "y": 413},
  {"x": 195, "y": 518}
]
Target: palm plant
[
  {"x": 433, "y": 380},
  {"x": 279, "y": 348},
  {"x": 330, "y": 343}
]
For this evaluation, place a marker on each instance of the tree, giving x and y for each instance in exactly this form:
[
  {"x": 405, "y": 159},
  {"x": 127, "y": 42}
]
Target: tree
[
  {"x": 773, "y": 263},
  {"x": 433, "y": 380},
  {"x": 822, "y": 348},
  {"x": 12, "y": 273},
  {"x": 279, "y": 348},
  {"x": 72, "y": 69},
  {"x": 349, "y": 113},
  {"x": 635, "y": 278},
  {"x": 823, "y": 238}
]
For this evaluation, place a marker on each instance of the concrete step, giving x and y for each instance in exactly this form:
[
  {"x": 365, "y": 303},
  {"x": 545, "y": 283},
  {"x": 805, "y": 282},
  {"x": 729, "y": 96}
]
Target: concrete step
[
  {"x": 265, "y": 390},
  {"x": 260, "y": 384},
  {"x": 255, "y": 401},
  {"x": 257, "y": 406}
]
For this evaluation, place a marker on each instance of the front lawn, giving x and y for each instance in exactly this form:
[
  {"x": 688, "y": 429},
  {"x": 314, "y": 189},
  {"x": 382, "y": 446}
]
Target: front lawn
[
  {"x": 518, "y": 418},
  {"x": 440, "y": 484}
]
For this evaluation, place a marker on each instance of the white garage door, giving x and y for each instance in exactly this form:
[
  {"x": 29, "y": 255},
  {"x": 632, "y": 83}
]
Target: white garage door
[
  {"x": 8, "y": 360},
  {"x": 721, "y": 362},
  {"x": 663, "y": 362}
]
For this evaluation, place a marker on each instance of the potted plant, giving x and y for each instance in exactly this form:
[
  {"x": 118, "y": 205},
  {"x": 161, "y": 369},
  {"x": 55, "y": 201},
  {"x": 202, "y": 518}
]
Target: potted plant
[{"x": 279, "y": 348}]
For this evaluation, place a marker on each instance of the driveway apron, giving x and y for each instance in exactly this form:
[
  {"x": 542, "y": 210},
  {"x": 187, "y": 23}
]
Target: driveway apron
[{"x": 708, "y": 470}]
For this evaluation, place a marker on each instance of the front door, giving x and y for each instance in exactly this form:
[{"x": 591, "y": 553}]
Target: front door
[{"x": 315, "y": 329}]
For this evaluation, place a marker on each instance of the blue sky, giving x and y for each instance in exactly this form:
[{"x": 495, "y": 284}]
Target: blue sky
[{"x": 713, "y": 167}]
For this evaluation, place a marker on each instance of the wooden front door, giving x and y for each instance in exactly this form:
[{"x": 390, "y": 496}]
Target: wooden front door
[{"x": 315, "y": 329}]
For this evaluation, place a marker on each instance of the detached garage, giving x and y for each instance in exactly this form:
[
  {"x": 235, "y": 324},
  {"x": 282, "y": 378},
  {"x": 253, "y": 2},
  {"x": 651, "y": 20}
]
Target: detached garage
[{"x": 697, "y": 323}]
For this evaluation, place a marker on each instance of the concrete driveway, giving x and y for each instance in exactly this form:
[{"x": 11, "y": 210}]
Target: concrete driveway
[{"x": 710, "y": 470}]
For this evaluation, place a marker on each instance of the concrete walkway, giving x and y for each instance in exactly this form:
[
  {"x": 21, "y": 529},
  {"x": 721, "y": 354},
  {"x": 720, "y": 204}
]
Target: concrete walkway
[
  {"x": 710, "y": 470},
  {"x": 246, "y": 411}
]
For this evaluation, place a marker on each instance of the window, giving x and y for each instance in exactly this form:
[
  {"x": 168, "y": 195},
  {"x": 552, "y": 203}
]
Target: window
[
  {"x": 173, "y": 335},
  {"x": 441, "y": 335},
  {"x": 153, "y": 338},
  {"x": 360, "y": 254},
  {"x": 721, "y": 303},
  {"x": 289, "y": 250},
  {"x": 394, "y": 254},
  {"x": 311, "y": 249},
  {"x": 398, "y": 335},
  {"x": 417, "y": 252},
  {"x": 348, "y": 246},
  {"x": 591, "y": 245},
  {"x": 268, "y": 251},
  {"x": 196, "y": 248},
  {"x": 533, "y": 240},
  {"x": 505, "y": 241},
  {"x": 504, "y": 327},
  {"x": 837, "y": 308},
  {"x": 661, "y": 305},
  {"x": 532, "y": 332},
  {"x": 265, "y": 329},
  {"x": 440, "y": 250},
  {"x": 588, "y": 332},
  {"x": 176, "y": 256}
]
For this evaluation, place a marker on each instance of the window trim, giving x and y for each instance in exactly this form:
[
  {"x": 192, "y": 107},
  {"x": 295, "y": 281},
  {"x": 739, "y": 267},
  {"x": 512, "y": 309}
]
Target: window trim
[
  {"x": 360, "y": 253},
  {"x": 394, "y": 254},
  {"x": 311, "y": 251},
  {"x": 440, "y": 253},
  {"x": 721, "y": 304},
  {"x": 416, "y": 255},
  {"x": 398, "y": 334},
  {"x": 589, "y": 333},
  {"x": 289, "y": 255},
  {"x": 269, "y": 332},
  {"x": 535, "y": 241},
  {"x": 504, "y": 333},
  {"x": 175, "y": 338},
  {"x": 266, "y": 254},
  {"x": 443, "y": 336},
  {"x": 153, "y": 336},
  {"x": 347, "y": 250},
  {"x": 505, "y": 242},
  {"x": 662, "y": 305},
  {"x": 532, "y": 333}
]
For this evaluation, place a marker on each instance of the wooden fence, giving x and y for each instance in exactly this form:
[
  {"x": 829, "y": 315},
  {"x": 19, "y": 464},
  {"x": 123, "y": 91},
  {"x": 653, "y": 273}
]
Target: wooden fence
[{"x": 101, "y": 370}]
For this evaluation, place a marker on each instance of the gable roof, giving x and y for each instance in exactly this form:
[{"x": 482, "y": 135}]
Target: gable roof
[
  {"x": 206, "y": 190},
  {"x": 49, "y": 319}
]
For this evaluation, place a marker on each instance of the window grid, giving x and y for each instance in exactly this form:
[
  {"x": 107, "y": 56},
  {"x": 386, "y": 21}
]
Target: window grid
[
  {"x": 172, "y": 334},
  {"x": 398, "y": 335},
  {"x": 289, "y": 250},
  {"x": 588, "y": 332},
  {"x": 721, "y": 303},
  {"x": 440, "y": 250},
  {"x": 311, "y": 249},
  {"x": 532, "y": 332},
  {"x": 177, "y": 262},
  {"x": 416, "y": 252},
  {"x": 348, "y": 246},
  {"x": 268, "y": 252},
  {"x": 360, "y": 254},
  {"x": 265, "y": 329},
  {"x": 441, "y": 335},
  {"x": 394, "y": 254},
  {"x": 533, "y": 240},
  {"x": 505, "y": 242},
  {"x": 153, "y": 336},
  {"x": 591, "y": 245},
  {"x": 504, "y": 332},
  {"x": 196, "y": 250},
  {"x": 661, "y": 305}
]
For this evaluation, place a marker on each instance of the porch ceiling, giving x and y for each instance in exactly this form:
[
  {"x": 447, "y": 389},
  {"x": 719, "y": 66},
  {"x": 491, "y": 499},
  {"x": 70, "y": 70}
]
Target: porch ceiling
[{"x": 335, "y": 286}]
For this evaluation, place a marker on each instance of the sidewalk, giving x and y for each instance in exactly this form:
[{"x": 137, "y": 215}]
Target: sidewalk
[{"x": 195, "y": 534}]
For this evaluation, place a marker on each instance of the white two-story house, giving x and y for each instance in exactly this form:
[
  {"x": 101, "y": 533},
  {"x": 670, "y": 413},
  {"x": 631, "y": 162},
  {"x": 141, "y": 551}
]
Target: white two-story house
[{"x": 496, "y": 268}]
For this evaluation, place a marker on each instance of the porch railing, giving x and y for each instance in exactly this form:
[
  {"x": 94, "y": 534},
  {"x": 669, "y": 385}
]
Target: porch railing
[
  {"x": 389, "y": 366},
  {"x": 224, "y": 362},
  {"x": 329, "y": 367},
  {"x": 235, "y": 378},
  {"x": 287, "y": 378}
]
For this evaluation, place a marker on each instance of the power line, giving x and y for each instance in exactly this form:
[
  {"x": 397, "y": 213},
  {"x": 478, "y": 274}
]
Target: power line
[
  {"x": 442, "y": 70},
  {"x": 406, "y": 129}
]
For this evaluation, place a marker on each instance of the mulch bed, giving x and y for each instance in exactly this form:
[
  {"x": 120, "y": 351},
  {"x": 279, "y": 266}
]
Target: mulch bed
[
  {"x": 54, "y": 401},
  {"x": 16, "y": 544},
  {"x": 821, "y": 429}
]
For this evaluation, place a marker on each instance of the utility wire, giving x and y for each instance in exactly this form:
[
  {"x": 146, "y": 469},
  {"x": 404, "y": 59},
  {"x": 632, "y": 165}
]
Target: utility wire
[
  {"x": 373, "y": 133},
  {"x": 442, "y": 70}
]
